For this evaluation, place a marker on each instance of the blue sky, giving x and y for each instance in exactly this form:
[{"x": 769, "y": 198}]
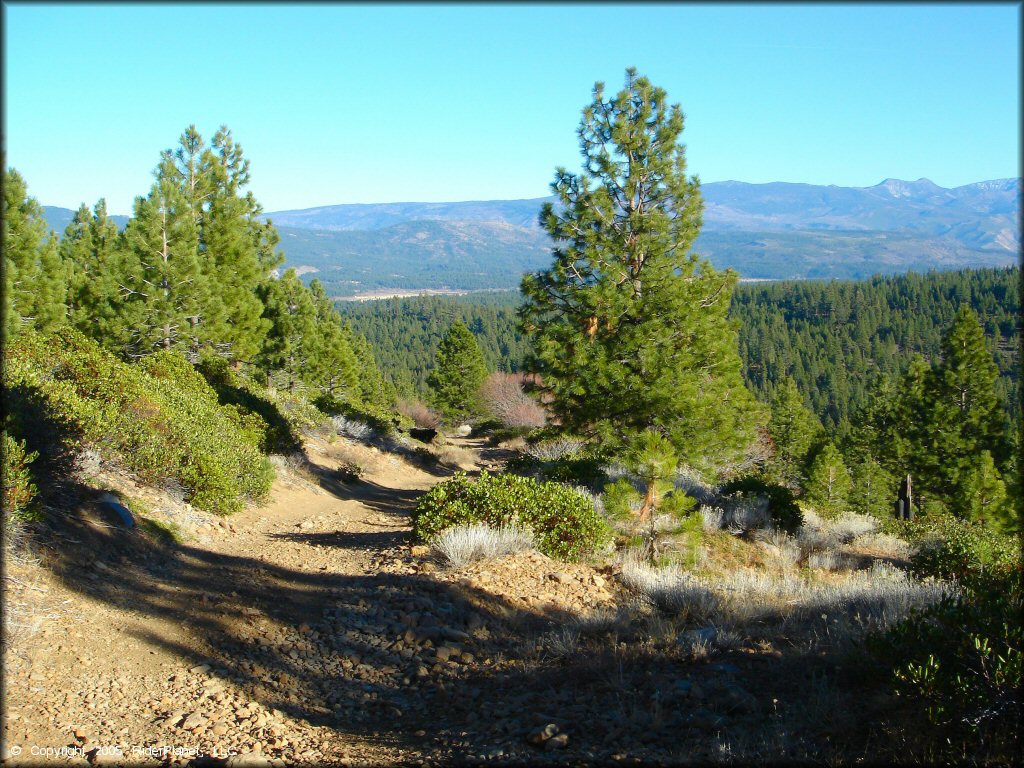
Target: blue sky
[{"x": 349, "y": 103}]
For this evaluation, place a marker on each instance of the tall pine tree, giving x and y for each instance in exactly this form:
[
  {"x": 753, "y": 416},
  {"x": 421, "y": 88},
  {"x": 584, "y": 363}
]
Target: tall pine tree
[
  {"x": 965, "y": 418},
  {"x": 93, "y": 252},
  {"x": 793, "y": 429},
  {"x": 828, "y": 481},
  {"x": 459, "y": 370},
  {"x": 334, "y": 371},
  {"x": 629, "y": 328},
  {"x": 35, "y": 280},
  {"x": 291, "y": 346},
  {"x": 165, "y": 286},
  {"x": 231, "y": 240}
]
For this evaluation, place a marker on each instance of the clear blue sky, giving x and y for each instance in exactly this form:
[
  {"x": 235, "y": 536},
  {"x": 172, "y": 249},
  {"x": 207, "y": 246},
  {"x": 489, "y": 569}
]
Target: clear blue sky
[{"x": 362, "y": 103}]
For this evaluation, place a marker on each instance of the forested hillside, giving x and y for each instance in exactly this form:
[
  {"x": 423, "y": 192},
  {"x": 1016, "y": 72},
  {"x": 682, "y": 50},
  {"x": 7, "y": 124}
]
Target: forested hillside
[
  {"x": 405, "y": 332},
  {"x": 831, "y": 337},
  {"x": 834, "y": 337}
]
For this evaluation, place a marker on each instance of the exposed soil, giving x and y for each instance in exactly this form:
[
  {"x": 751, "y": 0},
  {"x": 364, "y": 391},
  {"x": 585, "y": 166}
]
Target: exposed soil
[{"x": 313, "y": 631}]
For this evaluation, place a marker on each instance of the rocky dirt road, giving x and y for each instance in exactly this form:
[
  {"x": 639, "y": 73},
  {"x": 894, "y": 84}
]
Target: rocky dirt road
[{"x": 312, "y": 631}]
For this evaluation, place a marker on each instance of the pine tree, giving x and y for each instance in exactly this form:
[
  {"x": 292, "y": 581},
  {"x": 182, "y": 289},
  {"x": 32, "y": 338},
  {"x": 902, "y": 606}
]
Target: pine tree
[
  {"x": 291, "y": 344},
  {"x": 981, "y": 494},
  {"x": 93, "y": 252},
  {"x": 165, "y": 287},
  {"x": 872, "y": 489},
  {"x": 793, "y": 430},
  {"x": 232, "y": 252},
  {"x": 965, "y": 414},
  {"x": 459, "y": 370},
  {"x": 35, "y": 280},
  {"x": 334, "y": 370},
  {"x": 828, "y": 481},
  {"x": 902, "y": 432},
  {"x": 374, "y": 391},
  {"x": 629, "y": 328}
]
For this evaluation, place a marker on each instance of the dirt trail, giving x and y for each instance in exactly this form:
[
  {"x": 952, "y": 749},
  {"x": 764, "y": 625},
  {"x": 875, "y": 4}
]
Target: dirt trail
[
  {"x": 311, "y": 631},
  {"x": 135, "y": 639},
  {"x": 298, "y": 632}
]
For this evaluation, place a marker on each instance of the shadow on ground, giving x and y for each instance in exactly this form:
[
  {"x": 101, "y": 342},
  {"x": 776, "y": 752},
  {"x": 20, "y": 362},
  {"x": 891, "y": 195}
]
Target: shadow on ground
[{"x": 350, "y": 667}]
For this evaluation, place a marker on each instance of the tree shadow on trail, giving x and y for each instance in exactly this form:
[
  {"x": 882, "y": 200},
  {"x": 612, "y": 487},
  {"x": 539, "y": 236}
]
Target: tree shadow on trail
[
  {"x": 333, "y": 649},
  {"x": 322, "y": 647},
  {"x": 353, "y": 540}
]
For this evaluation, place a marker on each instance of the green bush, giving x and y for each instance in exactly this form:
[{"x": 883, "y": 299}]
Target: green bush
[
  {"x": 948, "y": 547},
  {"x": 253, "y": 409},
  {"x": 782, "y": 506},
  {"x": 18, "y": 488},
  {"x": 564, "y": 522},
  {"x": 962, "y": 658},
  {"x": 583, "y": 467},
  {"x": 158, "y": 418},
  {"x": 381, "y": 422}
]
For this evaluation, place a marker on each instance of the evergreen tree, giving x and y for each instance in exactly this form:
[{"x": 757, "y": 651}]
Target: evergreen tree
[
  {"x": 965, "y": 413},
  {"x": 872, "y": 489},
  {"x": 793, "y": 430},
  {"x": 291, "y": 345},
  {"x": 334, "y": 370},
  {"x": 903, "y": 436},
  {"x": 459, "y": 370},
  {"x": 93, "y": 252},
  {"x": 629, "y": 328},
  {"x": 828, "y": 481},
  {"x": 165, "y": 288},
  {"x": 374, "y": 391},
  {"x": 35, "y": 280},
  {"x": 981, "y": 494},
  {"x": 233, "y": 252}
]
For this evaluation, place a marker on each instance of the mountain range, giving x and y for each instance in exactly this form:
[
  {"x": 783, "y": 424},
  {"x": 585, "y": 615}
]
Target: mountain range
[{"x": 778, "y": 230}]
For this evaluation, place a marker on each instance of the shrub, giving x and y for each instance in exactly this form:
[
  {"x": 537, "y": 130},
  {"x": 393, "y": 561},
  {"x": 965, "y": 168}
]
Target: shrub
[
  {"x": 159, "y": 418},
  {"x": 381, "y": 422},
  {"x": 555, "y": 448},
  {"x": 712, "y": 518},
  {"x": 564, "y": 522},
  {"x": 671, "y": 589},
  {"x": 18, "y": 488},
  {"x": 963, "y": 656},
  {"x": 782, "y": 506},
  {"x": 503, "y": 397},
  {"x": 466, "y": 543},
  {"x": 254, "y": 409},
  {"x": 420, "y": 414},
  {"x": 954, "y": 548},
  {"x": 563, "y": 460}
]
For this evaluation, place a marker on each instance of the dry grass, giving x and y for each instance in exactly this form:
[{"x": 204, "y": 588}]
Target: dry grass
[
  {"x": 467, "y": 543},
  {"x": 550, "y": 450},
  {"x": 883, "y": 545},
  {"x": 852, "y": 603},
  {"x": 454, "y": 456},
  {"x": 744, "y": 513},
  {"x": 712, "y": 518},
  {"x": 26, "y": 603},
  {"x": 352, "y": 429},
  {"x": 781, "y": 551},
  {"x": 671, "y": 589},
  {"x": 357, "y": 458},
  {"x": 832, "y": 560}
]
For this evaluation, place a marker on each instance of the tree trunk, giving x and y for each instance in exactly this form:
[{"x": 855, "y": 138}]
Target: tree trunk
[{"x": 650, "y": 500}]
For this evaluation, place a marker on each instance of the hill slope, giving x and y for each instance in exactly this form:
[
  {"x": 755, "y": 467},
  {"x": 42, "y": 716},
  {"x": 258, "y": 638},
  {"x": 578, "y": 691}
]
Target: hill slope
[
  {"x": 775, "y": 231},
  {"x": 778, "y": 230}
]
